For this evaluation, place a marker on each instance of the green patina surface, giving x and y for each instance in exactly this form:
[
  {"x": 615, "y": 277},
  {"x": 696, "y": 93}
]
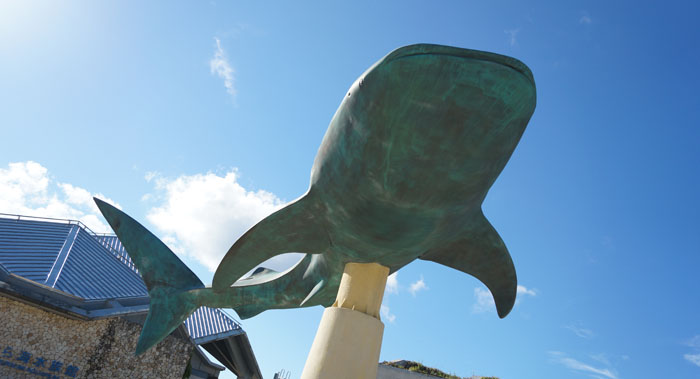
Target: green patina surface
[{"x": 401, "y": 174}]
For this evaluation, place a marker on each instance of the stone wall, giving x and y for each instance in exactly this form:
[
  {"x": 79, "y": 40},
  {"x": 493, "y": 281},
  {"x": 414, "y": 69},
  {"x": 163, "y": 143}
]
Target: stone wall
[{"x": 35, "y": 343}]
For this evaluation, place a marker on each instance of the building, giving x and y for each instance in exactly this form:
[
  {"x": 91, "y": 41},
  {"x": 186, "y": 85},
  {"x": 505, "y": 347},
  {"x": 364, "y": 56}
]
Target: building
[
  {"x": 403, "y": 369},
  {"x": 72, "y": 305}
]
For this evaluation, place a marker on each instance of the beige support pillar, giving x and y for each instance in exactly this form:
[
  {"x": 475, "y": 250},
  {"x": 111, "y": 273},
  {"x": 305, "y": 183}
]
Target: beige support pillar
[{"x": 349, "y": 337}]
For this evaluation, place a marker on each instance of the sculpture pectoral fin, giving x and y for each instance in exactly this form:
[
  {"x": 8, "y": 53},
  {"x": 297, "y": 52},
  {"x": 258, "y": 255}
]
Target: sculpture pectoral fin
[
  {"x": 298, "y": 227},
  {"x": 483, "y": 255}
]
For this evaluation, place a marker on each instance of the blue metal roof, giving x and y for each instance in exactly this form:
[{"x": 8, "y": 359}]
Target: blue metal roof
[
  {"x": 206, "y": 323},
  {"x": 91, "y": 272},
  {"x": 65, "y": 256},
  {"x": 115, "y": 246},
  {"x": 68, "y": 256},
  {"x": 28, "y": 248}
]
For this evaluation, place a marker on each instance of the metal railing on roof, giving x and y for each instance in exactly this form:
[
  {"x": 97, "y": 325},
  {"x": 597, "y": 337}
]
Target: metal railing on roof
[
  {"x": 123, "y": 256},
  {"x": 49, "y": 219}
]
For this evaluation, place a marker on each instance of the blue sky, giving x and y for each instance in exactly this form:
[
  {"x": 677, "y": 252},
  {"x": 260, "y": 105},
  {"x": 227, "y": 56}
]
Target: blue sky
[{"x": 198, "y": 119}]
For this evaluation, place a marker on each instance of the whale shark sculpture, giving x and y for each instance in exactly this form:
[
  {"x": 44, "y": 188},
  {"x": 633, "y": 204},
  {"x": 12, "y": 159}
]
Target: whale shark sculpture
[{"x": 401, "y": 174}]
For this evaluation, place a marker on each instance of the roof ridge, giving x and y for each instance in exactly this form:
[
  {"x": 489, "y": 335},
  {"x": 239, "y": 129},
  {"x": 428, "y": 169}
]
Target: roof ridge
[{"x": 62, "y": 257}]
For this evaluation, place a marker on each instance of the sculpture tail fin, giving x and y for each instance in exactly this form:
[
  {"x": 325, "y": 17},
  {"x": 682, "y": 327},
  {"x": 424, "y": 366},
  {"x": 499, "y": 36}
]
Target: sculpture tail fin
[
  {"x": 167, "y": 278},
  {"x": 169, "y": 308}
]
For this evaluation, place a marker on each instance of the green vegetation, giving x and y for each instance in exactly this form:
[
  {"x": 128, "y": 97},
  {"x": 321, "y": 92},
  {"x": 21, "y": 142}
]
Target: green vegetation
[
  {"x": 418, "y": 367},
  {"x": 422, "y": 369}
]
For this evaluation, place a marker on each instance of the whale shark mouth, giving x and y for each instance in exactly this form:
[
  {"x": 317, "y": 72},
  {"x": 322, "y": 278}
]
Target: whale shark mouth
[{"x": 428, "y": 49}]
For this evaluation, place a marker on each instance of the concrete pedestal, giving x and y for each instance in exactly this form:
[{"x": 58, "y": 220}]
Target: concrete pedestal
[{"x": 349, "y": 337}]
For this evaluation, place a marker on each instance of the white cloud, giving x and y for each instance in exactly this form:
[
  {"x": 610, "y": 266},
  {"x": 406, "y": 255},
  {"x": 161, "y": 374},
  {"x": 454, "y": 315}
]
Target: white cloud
[
  {"x": 576, "y": 365},
  {"x": 693, "y": 358},
  {"x": 150, "y": 175},
  {"x": 26, "y": 188},
  {"x": 220, "y": 66},
  {"x": 522, "y": 291},
  {"x": 417, "y": 286},
  {"x": 693, "y": 342},
  {"x": 392, "y": 284},
  {"x": 602, "y": 358},
  {"x": 512, "y": 34},
  {"x": 392, "y": 288},
  {"x": 579, "y": 331},
  {"x": 585, "y": 19},
  {"x": 202, "y": 215},
  {"x": 384, "y": 310},
  {"x": 484, "y": 299},
  {"x": 76, "y": 195}
]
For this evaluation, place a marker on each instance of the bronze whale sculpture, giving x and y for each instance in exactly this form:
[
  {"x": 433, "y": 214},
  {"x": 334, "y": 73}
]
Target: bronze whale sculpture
[{"x": 401, "y": 174}]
